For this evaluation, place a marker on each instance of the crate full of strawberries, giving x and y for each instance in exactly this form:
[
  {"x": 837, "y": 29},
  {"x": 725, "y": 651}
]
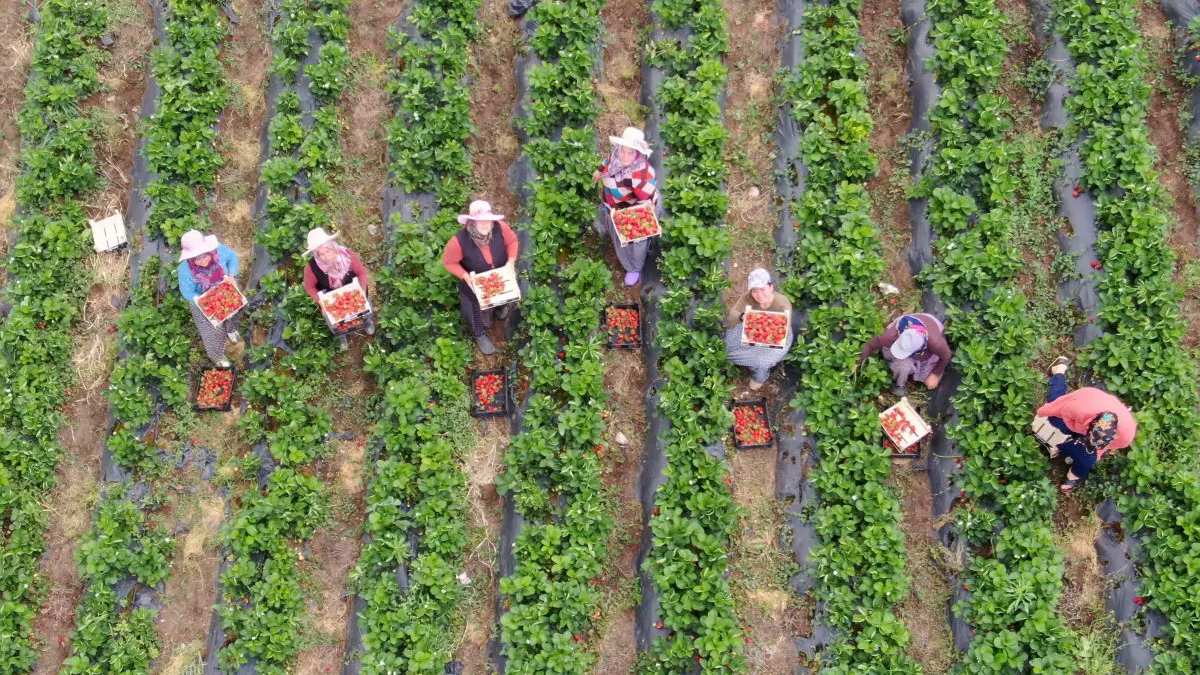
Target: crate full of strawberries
[
  {"x": 496, "y": 287},
  {"x": 489, "y": 393},
  {"x": 635, "y": 223},
  {"x": 221, "y": 301},
  {"x": 765, "y": 328},
  {"x": 751, "y": 427},
  {"x": 345, "y": 308},
  {"x": 213, "y": 389},
  {"x": 624, "y": 326},
  {"x": 904, "y": 428}
]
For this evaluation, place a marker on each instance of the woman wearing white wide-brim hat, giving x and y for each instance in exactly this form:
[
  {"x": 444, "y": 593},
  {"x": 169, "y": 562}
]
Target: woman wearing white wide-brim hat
[
  {"x": 477, "y": 248},
  {"x": 628, "y": 179},
  {"x": 333, "y": 266},
  {"x": 203, "y": 263}
]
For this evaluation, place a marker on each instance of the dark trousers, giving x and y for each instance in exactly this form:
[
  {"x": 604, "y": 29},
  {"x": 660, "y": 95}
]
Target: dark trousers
[
  {"x": 478, "y": 321},
  {"x": 1075, "y": 447}
]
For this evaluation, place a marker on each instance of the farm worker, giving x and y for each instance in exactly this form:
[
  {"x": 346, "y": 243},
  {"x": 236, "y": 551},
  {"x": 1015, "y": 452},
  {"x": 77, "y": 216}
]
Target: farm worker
[
  {"x": 627, "y": 179},
  {"x": 760, "y": 295},
  {"x": 203, "y": 263},
  {"x": 478, "y": 247},
  {"x": 914, "y": 345},
  {"x": 333, "y": 266},
  {"x": 1095, "y": 422}
]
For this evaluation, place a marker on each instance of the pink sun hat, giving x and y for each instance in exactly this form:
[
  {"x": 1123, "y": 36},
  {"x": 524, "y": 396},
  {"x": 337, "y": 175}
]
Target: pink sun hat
[
  {"x": 195, "y": 243},
  {"x": 479, "y": 210}
]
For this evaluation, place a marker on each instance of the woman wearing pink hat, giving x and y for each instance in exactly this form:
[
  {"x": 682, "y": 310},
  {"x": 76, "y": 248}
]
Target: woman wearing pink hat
[
  {"x": 333, "y": 266},
  {"x": 477, "y": 248},
  {"x": 914, "y": 345},
  {"x": 203, "y": 263},
  {"x": 628, "y": 179}
]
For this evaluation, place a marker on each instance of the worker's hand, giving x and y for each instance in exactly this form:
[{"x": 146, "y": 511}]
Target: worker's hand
[
  {"x": 596, "y": 176},
  {"x": 932, "y": 381}
]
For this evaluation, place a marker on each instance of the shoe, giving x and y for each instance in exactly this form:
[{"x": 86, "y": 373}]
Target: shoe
[
  {"x": 234, "y": 337},
  {"x": 371, "y": 329},
  {"x": 224, "y": 363},
  {"x": 900, "y": 390},
  {"x": 503, "y": 312},
  {"x": 756, "y": 385},
  {"x": 1069, "y": 485},
  {"x": 632, "y": 278},
  {"x": 485, "y": 345},
  {"x": 1060, "y": 361}
]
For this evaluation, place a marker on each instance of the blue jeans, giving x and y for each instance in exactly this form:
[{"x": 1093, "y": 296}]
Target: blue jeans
[{"x": 1075, "y": 447}]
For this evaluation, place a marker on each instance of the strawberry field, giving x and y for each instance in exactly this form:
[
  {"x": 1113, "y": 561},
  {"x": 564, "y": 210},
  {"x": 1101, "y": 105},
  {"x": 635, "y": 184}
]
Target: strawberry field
[{"x": 606, "y": 492}]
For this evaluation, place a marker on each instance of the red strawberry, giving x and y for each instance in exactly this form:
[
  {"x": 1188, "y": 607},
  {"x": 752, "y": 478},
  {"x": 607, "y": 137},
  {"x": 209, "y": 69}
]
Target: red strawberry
[
  {"x": 1095, "y": 264},
  {"x": 1139, "y": 600}
]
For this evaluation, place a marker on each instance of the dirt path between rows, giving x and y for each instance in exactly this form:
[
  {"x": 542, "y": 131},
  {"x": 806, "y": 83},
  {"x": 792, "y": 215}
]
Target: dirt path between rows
[
  {"x": 923, "y": 611},
  {"x": 620, "y": 88},
  {"x": 1168, "y": 98},
  {"x": 758, "y": 567},
  {"x": 330, "y": 556},
  {"x": 16, "y": 34},
  {"x": 72, "y": 502},
  {"x": 493, "y": 148},
  {"x": 196, "y": 506}
]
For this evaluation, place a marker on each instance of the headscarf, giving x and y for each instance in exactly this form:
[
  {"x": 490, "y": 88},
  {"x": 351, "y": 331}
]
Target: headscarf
[
  {"x": 481, "y": 240},
  {"x": 1102, "y": 430},
  {"x": 206, "y": 276},
  {"x": 616, "y": 171},
  {"x": 336, "y": 270}
]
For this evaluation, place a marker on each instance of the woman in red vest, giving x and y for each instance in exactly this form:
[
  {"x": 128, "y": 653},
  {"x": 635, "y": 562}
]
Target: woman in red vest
[{"x": 478, "y": 247}]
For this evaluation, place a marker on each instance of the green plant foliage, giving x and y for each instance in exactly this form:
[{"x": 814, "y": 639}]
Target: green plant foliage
[
  {"x": 1140, "y": 358},
  {"x": 859, "y": 564},
  {"x": 694, "y": 510}
]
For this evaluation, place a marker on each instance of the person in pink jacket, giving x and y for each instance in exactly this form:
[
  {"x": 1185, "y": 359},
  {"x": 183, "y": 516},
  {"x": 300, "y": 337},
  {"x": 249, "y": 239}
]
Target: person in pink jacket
[{"x": 1095, "y": 422}]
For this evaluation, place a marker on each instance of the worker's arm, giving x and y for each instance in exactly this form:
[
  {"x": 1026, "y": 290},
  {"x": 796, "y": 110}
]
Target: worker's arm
[
  {"x": 452, "y": 260},
  {"x": 187, "y": 287},
  {"x": 734, "y": 317},
  {"x": 360, "y": 271},
  {"x": 310, "y": 283},
  {"x": 941, "y": 348},
  {"x": 228, "y": 259},
  {"x": 512, "y": 245}
]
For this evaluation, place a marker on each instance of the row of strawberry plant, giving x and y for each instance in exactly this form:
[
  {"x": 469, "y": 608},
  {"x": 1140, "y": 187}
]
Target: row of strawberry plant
[
  {"x": 1007, "y": 500},
  {"x": 1140, "y": 357},
  {"x": 694, "y": 514},
  {"x": 262, "y": 605},
  {"x": 552, "y": 471},
  {"x": 155, "y": 349},
  {"x": 45, "y": 288},
  {"x": 417, "y": 489},
  {"x": 859, "y": 564}
]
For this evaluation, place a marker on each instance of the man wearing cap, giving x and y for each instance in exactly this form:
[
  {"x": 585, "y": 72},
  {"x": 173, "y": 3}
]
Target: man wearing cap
[
  {"x": 914, "y": 345},
  {"x": 760, "y": 295},
  {"x": 333, "y": 266},
  {"x": 1093, "y": 421},
  {"x": 477, "y": 248},
  {"x": 627, "y": 179},
  {"x": 203, "y": 263}
]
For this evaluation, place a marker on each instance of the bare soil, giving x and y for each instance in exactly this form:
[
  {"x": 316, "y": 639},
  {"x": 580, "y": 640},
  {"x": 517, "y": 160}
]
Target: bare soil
[
  {"x": 751, "y": 119},
  {"x": 924, "y": 611},
  {"x": 16, "y": 34},
  {"x": 494, "y": 146},
  {"x": 72, "y": 501},
  {"x": 246, "y": 58},
  {"x": 1168, "y": 98},
  {"x": 891, "y": 113}
]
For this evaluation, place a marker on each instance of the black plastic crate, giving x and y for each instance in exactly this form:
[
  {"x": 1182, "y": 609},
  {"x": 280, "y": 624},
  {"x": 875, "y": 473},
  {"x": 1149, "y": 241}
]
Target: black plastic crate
[
  {"x": 198, "y": 376},
  {"x": 501, "y": 405},
  {"x": 613, "y": 341},
  {"x": 355, "y": 326},
  {"x": 759, "y": 404},
  {"x": 912, "y": 452}
]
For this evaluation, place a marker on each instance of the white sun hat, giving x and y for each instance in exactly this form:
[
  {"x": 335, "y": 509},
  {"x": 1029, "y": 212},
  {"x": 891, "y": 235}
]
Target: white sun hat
[
  {"x": 195, "y": 243},
  {"x": 909, "y": 342},
  {"x": 632, "y": 137},
  {"x": 317, "y": 238},
  {"x": 478, "y": 210}
]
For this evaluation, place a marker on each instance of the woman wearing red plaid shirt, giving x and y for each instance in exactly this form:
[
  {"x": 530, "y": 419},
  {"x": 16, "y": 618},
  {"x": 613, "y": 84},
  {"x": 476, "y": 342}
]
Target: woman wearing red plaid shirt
[{"x": 628, "y": 179}]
